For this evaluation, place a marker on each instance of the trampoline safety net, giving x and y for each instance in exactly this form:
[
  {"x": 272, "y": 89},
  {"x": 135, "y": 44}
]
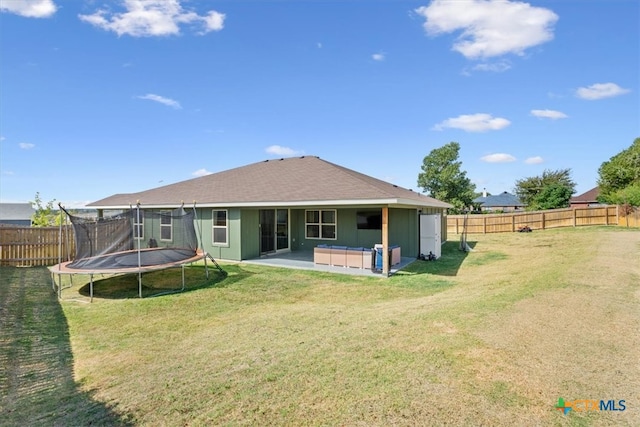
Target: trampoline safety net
[{"x": 134, "y": 238}]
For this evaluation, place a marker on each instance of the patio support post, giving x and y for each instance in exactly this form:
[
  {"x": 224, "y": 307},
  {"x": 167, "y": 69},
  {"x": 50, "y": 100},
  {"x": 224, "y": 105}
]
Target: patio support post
[{"x": 385, "y": 241}]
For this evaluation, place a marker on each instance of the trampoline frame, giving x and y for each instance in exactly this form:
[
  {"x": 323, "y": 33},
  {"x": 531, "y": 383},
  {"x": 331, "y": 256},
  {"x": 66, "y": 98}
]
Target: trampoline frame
[{"x": 63, "y": 267}]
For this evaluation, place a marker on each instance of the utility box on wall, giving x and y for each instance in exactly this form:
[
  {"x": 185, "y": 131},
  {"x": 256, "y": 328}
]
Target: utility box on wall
[{"x": 431, "y": 235}]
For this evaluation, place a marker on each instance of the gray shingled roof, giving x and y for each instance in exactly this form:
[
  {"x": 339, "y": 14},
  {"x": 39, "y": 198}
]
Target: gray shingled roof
[
  {"x": 281, "y": 182},
  {"x": 504, "y": 199},
  {"x": 16, "y": 211}
]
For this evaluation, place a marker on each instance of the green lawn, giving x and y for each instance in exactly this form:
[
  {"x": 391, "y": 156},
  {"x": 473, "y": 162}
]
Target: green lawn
[{"x": 490, "y": 337}]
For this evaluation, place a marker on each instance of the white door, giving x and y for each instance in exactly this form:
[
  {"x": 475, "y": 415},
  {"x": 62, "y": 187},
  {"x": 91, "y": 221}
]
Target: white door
[{"x": 431, "y": 234}]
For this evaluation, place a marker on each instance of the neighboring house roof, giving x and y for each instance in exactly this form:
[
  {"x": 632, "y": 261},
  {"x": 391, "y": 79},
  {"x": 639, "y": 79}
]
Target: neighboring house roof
[
  {"x": 16, "y": 211},
  {"x": 590, "y": 196},
  {"x": 500, "y": 200},
  {"x": 296, "y": 181}
]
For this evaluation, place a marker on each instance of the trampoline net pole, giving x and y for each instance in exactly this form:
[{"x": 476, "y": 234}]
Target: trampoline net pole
[
  {"x": 199, "y": 235},
  {"x": 139, "y": 237},
  {"x": 60, "y": 238}
]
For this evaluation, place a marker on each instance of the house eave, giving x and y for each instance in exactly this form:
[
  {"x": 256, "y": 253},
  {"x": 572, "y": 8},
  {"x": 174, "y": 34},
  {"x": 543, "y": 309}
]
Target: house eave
[{"x": 391, "y": 202}]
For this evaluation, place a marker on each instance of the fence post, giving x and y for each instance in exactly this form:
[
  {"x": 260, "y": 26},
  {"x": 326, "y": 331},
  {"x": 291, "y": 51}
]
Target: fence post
[
  {"x": 575, "y": 214},
  {"x": 543, "y": 224},
  {"x": 457, "y": 225},
  {"x": 484, "y": 225},
  {"x": 606, "y": 215},
  {"x": 513, "y": 222}
]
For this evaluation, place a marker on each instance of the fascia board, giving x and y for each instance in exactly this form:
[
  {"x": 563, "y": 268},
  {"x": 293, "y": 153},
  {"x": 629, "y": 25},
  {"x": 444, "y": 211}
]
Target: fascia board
[{"x": 305, "y": 203}]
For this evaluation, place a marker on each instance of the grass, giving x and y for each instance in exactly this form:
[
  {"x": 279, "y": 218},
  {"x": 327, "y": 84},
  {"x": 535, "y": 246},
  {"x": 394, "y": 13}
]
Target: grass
[{"x": 490, "y": 337}]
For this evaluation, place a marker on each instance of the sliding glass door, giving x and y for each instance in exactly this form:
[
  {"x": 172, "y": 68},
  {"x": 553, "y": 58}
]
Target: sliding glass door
[{"x": 274, "y": 230}]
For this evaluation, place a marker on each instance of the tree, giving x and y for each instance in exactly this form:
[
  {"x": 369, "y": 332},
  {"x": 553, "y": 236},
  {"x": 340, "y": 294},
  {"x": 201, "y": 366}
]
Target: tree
[
  {"x": 619, "y": 177},
  {"x": 552, "y": 196},
  {"x": 545, "y": 190},
  {"x": 44, "y": 215},
  {"x": 629, "y": 195},
  {"x": 443, "y": 179}
]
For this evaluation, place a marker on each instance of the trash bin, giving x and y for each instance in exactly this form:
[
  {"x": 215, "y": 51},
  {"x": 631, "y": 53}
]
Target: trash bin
[{"x": 378, "y": 255}]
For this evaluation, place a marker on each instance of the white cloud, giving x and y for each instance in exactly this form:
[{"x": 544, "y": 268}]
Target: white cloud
[
  {"x": 201, "y": 172},
  {"x": 549, "y": 114},
  {"x": 29, "y": 8},
  {"x": 536, "y": 160},
  {"x": 8, "y": 173},
  {"x": 145, "y": 18},
  {"x": 600, "y": 90},
  {"x": 495, "y": 67},
  {"x": 213, "y": 21},
  {"x": 162, "y": 100},
  {"x": 498, "y": 158},
  {"x": 279, "y": 150},
  {"x": 26, "y": 145},
  {"x": 378, "y": 56},
  {"x": 480, "y": 122},
  {"x": 76, "y": 204},
  {"x": 319, "y": 45},
  {"x": 489, "y": 28}
]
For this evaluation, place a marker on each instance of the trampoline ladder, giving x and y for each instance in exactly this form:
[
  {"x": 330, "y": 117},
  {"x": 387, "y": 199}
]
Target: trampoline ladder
[{"x": 216, "y": 264}]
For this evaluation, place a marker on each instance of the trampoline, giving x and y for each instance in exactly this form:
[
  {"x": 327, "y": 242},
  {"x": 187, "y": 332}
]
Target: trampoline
[{"x": 135, "y": 241}]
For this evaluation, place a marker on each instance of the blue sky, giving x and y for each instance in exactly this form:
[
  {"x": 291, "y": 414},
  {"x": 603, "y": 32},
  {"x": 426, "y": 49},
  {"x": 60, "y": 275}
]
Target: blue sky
[{"x": 101, "y": 97}]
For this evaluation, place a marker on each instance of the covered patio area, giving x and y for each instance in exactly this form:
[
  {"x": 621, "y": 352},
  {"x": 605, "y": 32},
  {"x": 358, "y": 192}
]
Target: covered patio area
[{"x": 303, "y": 260}]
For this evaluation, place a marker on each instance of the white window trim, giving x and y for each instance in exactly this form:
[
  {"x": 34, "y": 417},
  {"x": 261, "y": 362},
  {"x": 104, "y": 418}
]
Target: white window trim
[
  {"x": 320, "y": 224},
  {"x": 214, "y": 226},
  {"x": 170, "y": 225},
  {"x": 138, "y": 227}
]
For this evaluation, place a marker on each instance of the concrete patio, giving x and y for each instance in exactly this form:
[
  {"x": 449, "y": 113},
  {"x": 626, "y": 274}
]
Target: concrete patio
[{"x": 303, "y": 260}]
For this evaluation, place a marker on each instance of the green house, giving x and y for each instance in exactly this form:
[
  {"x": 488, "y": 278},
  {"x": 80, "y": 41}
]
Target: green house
[{"x": 291, "y": 204}]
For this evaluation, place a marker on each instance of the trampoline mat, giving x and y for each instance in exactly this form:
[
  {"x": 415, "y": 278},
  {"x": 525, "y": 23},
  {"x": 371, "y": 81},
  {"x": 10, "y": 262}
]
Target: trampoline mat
[{"x": 133, "y": 259}]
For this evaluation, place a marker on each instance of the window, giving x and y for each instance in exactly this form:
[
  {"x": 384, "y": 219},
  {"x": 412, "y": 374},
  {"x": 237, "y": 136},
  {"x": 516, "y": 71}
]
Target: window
[
  {"x": 138, "y": 224},
  {"x": 369, "y": 220},
  {"x": 166, "y": 225},
  {"x": 321, "y": 224},
  {"x": 220, "y": 228}
]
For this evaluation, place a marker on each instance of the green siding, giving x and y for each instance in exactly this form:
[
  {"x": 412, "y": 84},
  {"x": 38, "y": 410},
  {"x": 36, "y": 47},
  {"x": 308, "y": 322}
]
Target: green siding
[
  {"x": 403, "y": 230},
  {"x": 294, "y": 229},
  {"x": 204, "y": 225},
  {"x": 250, "y": 235},
  {"x": 347, "y": 232},
  {"x": 244, "y": 231}
]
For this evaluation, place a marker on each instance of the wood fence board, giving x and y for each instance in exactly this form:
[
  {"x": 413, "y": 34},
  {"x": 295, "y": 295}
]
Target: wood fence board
[
  {"x": 540, "y": 220},
  {"x": 35, "y": 246},
  {"x": 42, "y": 246}
]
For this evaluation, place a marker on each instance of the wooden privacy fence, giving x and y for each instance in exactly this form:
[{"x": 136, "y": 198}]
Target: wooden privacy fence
[
  {"x": 541, "y": 220},
  {"x": 35, "y": 246}
]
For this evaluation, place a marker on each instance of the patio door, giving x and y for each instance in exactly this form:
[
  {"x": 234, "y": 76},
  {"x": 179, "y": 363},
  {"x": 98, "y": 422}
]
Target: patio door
[{"x": 274, "y": 230}]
